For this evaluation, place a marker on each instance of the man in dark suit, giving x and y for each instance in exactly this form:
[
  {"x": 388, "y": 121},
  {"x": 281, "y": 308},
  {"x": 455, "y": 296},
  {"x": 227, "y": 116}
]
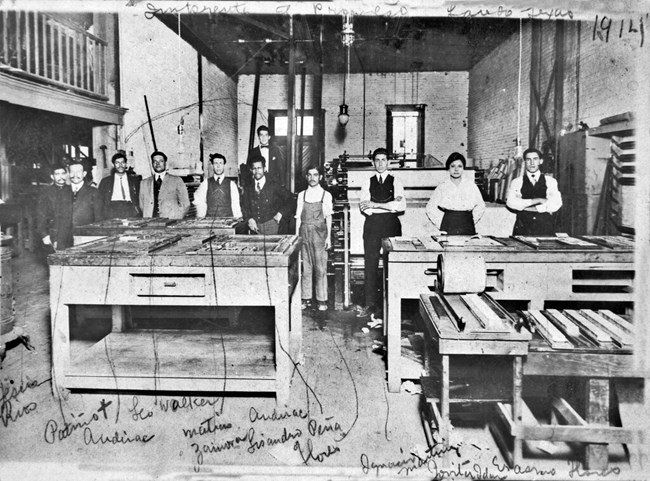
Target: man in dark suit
[
  {"x": 84, "y": 203},
  {"x": 276, "y": 167},
  {"x": 266, "y": 205},
  {"x": 118, "y": 193},
  {"x": 54, "y": 224},
  {"x": 163, "y": 194}
]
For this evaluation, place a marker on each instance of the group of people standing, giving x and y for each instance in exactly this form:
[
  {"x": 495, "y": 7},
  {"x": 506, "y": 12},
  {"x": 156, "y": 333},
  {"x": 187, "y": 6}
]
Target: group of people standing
[
  {"x": 455, "y": 208},
  {"x": 268, "y": 208}
]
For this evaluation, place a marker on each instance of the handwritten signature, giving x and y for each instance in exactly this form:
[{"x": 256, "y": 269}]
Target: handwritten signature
[{"x": 10, "y": 392}]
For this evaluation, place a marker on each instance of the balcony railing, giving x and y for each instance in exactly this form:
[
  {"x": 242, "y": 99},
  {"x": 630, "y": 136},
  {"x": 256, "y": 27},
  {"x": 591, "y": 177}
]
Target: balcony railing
[{"x": 40, "y": 47}]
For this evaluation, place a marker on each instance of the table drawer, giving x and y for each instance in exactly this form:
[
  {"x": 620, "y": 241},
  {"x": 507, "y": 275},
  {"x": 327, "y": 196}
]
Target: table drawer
[{"x": 168, "y": 285}]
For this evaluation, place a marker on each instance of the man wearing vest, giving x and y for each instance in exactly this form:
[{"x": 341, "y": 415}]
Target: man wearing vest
[
  {"x": 382, "y": 201},
  {"x": 217, "y": 196},
  {"x": 163, "y": 194},
  {"x": 266, "y": 205},
  {"x": 535, "y": 197}
]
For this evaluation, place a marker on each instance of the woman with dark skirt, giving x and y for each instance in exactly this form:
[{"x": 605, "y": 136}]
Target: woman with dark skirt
[{"x": 456, "y": 205}]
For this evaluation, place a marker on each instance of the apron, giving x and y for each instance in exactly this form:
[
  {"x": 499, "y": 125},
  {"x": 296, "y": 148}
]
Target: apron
[
  {"x": 312, "y": 222},
  {"x": 458, "y": 222}
]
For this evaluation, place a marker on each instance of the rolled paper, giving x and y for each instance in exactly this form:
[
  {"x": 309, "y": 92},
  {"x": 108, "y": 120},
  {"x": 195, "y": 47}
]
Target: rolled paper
[{"x": 460, "y": 273}]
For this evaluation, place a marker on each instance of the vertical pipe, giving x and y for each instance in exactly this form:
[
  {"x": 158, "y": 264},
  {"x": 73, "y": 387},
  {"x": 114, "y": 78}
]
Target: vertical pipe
[
  {"x": 199, "y": 60},
  {"x": 558, "y": 95},
  {"x": 317, "y": 103},
  {"x": 534, "y": 79},
  {"x": 256, "y": 96},
  {"x": 303, "y": 75},
  {"x": 116, "y": 60},
  {"x": 291, "y": 110}
]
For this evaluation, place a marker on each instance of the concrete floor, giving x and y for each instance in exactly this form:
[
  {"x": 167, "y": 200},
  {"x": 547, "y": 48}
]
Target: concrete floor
[{"x": 341, "y": 423}]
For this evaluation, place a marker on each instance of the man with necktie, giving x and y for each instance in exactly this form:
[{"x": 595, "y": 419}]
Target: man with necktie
[
  {"x": 118, "y": 193},
  {"x": 266, "y": 203},
  {"x": 273, "y": 156},
  {"x": 163, "y": 194},
  {"x": 217, "y": 196},
  {"x": 382, "y": 201},
  {"x": 535, "y": 197},
  {"x": 84, "y": 205}
]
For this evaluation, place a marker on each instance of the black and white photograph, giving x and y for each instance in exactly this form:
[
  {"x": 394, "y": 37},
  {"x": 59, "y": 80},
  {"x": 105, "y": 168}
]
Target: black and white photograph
[{"x": 324, "y": 240}]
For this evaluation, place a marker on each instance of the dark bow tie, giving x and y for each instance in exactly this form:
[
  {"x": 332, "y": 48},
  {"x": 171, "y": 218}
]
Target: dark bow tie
[{"x": 264, "y": 146}]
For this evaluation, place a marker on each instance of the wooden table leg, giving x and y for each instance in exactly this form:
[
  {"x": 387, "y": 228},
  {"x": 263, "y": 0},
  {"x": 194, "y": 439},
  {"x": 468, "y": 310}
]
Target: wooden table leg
[
  {"x": 517, "y": 409},
  {"x": 444, "y": 402},
  {"x": 393, "y": 325},
  {"x": 60, "y": 323},
  {"x": 596, "y": 455},
  {"x": 296, "y": 324},
  {"x": 283, "y": 360}
]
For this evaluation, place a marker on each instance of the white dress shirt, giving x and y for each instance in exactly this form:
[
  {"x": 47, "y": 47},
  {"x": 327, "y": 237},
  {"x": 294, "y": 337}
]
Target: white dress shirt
[
  {"x": 315, "y": 194},
  {"x": 118, "y": 182},
  {"x": 397, "y": 205},
  {"x": 159, "y": 174},
  {"x": 553, "y": 196},
  {"x": 201, "y": 195},
  {"x": 462, "y": 196}
]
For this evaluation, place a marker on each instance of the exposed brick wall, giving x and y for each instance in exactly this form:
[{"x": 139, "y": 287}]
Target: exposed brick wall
[
  {"x": 219, "y": 117},
  {"x": 608, "y": 85},
  {"x": 445, "y": 94},
  {"x": 157, "y": 63}
]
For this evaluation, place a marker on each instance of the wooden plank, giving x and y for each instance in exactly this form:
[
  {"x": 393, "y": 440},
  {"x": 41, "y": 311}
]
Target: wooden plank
[
  {"x": 596, "y": 455},
  {"x": 529, "y": 418},
  {"x": 584, "y": 434},
  {"x": 161, "y": 383},
  {"x": 580, "y": 364},
  {"x": 489, "y": 319},
  {"x": 588, "y": 328},
  {"x": 176, "y": 354},
  {"x": 623, "y": 324},
  {"x": 548, "y": 331},
  {"x": 564, "y": 323},
  {"x": 567, "y": 413},
  {"x": 618, "y": 335},
  {"x": 28, "y": 42},
  {"x": 5, "y": 36}
]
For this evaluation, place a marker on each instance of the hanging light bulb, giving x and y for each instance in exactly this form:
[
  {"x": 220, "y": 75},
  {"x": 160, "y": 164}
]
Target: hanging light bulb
[
  {"x": 347, "y": 38},
  {"x": 344, "y": 117}
]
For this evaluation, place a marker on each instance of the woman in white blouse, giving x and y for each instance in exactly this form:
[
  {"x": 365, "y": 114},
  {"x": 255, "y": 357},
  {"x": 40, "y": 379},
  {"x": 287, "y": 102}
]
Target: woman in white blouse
[{"x": 456, "y": 205}]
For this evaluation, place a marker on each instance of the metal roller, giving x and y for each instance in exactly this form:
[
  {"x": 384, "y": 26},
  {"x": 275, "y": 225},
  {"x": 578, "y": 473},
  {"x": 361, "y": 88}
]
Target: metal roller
[{"x": 460, "y": 273}]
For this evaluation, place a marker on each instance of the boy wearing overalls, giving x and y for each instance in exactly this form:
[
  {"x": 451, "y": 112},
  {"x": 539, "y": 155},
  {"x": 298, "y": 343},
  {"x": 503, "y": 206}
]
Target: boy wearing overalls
[{"x": 314, "y": 225}]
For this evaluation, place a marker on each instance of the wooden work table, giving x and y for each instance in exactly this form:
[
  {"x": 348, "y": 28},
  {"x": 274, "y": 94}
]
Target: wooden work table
[
  {"x": 601, "y": 270},
  {"x": 178, "y": 268},
  {"x": 112, "y": 227}
]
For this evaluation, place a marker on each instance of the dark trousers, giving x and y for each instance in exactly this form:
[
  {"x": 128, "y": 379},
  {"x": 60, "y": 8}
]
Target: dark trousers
[
  {"x": 534, "y": 223},
  {"x": 375, "y": 228},
  {"x": 120, "y": 209}
]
